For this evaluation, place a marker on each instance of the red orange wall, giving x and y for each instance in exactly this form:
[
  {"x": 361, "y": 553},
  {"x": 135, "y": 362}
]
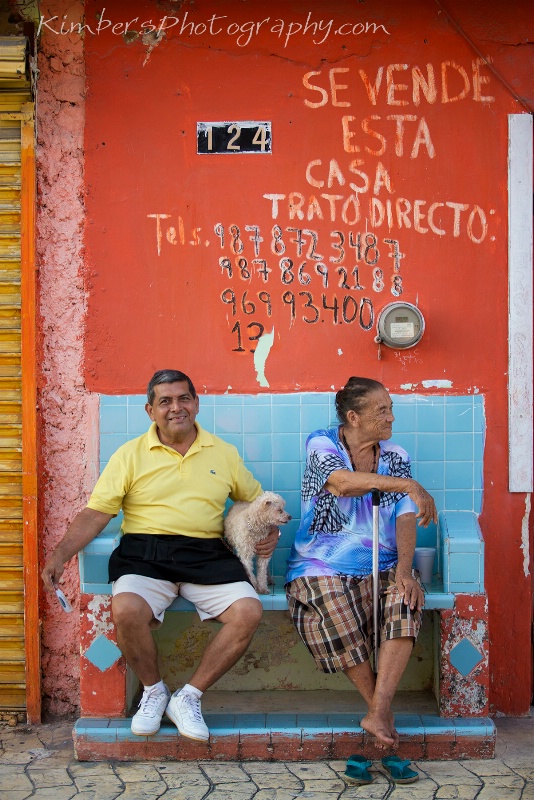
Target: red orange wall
[{"x": 389, "y": 154}]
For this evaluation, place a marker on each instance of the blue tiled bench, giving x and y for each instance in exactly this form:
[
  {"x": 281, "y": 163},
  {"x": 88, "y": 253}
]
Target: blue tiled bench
[{"x": 459, "y": 566}]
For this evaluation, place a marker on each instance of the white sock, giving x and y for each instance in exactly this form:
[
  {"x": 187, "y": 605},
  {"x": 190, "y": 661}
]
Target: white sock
[
  {"x": 192, "y": 690},
  {"x": 160, "y": 686}
]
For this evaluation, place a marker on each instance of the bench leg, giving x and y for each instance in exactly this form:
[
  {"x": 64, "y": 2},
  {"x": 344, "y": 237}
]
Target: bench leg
[
  {"x": 464, "y": 661},
  {"x": 106, "y": 683}
]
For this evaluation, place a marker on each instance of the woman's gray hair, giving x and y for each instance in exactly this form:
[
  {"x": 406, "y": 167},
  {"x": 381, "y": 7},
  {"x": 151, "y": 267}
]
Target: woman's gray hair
[
  {"x": 168, "y": 376},
  {"x": 353, "y": 396}
]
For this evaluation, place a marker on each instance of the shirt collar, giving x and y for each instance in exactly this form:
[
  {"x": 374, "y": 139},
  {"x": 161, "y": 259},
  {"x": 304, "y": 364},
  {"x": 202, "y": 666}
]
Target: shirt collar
[{"x": 204, "y": 438}]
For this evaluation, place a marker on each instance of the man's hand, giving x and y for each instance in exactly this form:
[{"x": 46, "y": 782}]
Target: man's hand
[
  {"x": 52, "y": 572},
  {"x": 410, "y": 591},
  {"x": 265, "y": 547},
  {"x": 424, "y": 502}
]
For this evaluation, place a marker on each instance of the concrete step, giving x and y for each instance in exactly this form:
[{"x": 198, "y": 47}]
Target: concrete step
[{"x": 281, "y": 736}]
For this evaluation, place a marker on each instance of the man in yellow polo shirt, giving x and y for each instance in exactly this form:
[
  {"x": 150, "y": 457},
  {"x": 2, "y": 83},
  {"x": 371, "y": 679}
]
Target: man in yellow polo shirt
[{"x": 172, "y": 484}]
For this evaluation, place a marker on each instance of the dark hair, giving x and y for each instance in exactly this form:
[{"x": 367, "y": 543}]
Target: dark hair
[
  {"x": 167, "y": 376},
  {"x": 353, "y": 396}
]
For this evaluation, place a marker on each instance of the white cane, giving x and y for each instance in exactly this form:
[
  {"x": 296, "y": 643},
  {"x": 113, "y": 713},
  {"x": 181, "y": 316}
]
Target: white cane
[{"x": 376, "y": 533}]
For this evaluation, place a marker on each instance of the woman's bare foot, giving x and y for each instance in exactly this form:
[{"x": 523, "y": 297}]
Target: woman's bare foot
[{"x": 382, "y": 728}]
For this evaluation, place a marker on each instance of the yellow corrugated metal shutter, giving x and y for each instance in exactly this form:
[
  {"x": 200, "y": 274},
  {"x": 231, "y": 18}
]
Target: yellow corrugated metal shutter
[{"x": 12, "y": 645}]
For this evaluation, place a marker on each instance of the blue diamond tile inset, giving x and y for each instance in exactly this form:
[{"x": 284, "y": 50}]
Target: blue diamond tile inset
[
  {"x": 103, "y": 653},
  {"x": 464, "y": 657}
]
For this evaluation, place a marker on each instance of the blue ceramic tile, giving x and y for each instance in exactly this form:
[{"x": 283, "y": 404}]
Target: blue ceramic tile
[
  {"x": 113, "y": 400},
  {"x": 292, "y": 503},
  {"x": 234, "y": 438},
  {"x": 406, "y": 440},
  {"x": 457, "y": 500},
  {"x": 109, "y": 442},
  {"x": 286, "y": 447},
  {"x": 459, "y": 417},
  {"x": 279, "y": 561},
  {"x": 314, "y": 398},
  {"x": 227, "y": 400},
  {"x": 464, "y": 588},
  {"x": 474, "y": 726},
  {"x": 437, "y": 725},
  {"x": 404, "y": 418},
  {"x": 138, "y": 420},
  {"x": 280, "y": 722},
  {"x": 263, "y": 472},
  {"x": 137, "y": 400},
  {"x": 257, "y": 419},
  {"x": 113, "y": 419},
  {"x": 431, "y": 474},
  {"x": 459, "y": 446},
  {"x": 258, "y": 447},
  {"x": 286, "y": 399},
  {"x": 313, "y": 417},
  {"x": 250, "y": 722},
  {"x": 408, "y": 399},
  {"x": 228, "y": 419},
  {"x": 219, "y": 721},
  {"x": 286, "y": 476},
  {"x": 345, "y": 722},
  {"x": 457, "y": 399},
  {"x": 430, "y": 419},
  {"x": 206, "y": 418},
  {"x": 255, "y": 400},
  {"x": 464, "y": 568},
  {"x": 288, "y": 532},
  {"x": 427, "y": 537},
  {"x": 205, "y": 399},
  {"x": 286, "y": 419},
  {"x": 430, "y": 447},
  {"x": 458, "y": 475},
  {"x": 102, "y": 653},
  {"x": 464, "y": 657},
  {"x": 477, "y": 501}
]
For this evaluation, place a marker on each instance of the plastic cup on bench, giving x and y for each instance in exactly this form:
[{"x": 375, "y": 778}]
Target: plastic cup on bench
[{"x": 424, "y": 562}]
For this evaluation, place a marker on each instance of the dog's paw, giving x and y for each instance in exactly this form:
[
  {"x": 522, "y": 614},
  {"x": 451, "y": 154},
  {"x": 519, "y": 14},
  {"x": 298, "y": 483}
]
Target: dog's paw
[{"x": 263, "y": 590}]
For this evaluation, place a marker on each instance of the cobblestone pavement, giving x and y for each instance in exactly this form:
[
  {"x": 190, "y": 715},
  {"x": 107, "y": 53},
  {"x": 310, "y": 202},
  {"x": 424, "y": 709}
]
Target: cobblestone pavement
[{"x": 38, "y": 762}]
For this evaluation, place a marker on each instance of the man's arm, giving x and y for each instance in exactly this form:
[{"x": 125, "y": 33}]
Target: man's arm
[
  {"x": 82, "y": 530},
  {"x": 407, "y": 585},
  {"x": 344, "y": 483}
]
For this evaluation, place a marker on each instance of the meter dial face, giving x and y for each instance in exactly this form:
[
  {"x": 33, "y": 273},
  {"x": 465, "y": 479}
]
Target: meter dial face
[{"x": 400, "y": 325}]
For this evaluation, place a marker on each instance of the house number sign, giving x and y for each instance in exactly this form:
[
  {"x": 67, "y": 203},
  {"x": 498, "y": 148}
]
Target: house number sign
[{"x": 233, "y": 137}]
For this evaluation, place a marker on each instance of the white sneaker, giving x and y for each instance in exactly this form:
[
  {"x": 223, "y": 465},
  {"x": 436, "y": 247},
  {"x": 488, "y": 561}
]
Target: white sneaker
[
  {"x": 151, "y": 709},
  {"x": 184, "y": 710}
]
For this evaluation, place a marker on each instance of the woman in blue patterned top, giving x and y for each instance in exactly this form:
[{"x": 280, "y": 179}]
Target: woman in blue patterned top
[{"x": 329, "y": 576}]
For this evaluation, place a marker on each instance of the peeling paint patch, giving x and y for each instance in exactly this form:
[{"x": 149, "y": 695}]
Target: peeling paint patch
[
  {"x": 340, "y": 352},
  {"x": 408, "y": 386},
  {"x": 525, "y": 536},
  {"x": 151, "y": 39},
  {"x": 260, "y": 356},
  {"x": 437, "y": 384},
  {"x": 99, "y": 615}
]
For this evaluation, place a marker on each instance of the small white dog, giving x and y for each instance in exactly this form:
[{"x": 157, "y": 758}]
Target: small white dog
[{"x": 248, "y": 523}]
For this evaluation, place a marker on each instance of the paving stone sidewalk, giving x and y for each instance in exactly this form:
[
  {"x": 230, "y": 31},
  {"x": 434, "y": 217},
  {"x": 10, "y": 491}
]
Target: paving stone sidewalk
[{"x": 38, "y": 762}]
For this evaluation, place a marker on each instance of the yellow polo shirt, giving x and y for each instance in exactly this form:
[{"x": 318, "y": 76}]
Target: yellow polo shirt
[{"x": 161, "y": 491}]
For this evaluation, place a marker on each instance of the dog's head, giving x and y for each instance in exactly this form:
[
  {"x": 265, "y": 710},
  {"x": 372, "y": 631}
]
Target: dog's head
[{"x": 272, "y": 508}]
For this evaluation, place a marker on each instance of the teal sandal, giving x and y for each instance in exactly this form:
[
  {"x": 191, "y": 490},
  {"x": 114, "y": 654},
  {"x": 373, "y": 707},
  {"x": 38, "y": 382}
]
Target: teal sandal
[
  {"x": 398, "y": 770},
  {"x": 357, "y": 771}
]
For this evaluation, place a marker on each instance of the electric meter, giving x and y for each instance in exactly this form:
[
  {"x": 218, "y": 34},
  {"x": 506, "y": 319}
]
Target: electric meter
[{"x": 400, "y": 325}]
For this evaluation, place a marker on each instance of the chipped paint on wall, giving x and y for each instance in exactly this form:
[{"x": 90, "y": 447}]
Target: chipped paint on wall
[
  {"x": 437, "y": 384},
  {"x": 261, "y": 353},
  {"x": 99, "y": 620}
]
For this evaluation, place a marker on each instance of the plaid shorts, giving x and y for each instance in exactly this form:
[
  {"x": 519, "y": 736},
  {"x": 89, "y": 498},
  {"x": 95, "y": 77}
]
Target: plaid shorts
[{"x": 334, "y": 616}]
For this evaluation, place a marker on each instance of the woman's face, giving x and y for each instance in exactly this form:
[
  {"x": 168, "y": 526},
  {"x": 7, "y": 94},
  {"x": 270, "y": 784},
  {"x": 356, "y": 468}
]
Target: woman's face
[{"x": 376, "y": 419}]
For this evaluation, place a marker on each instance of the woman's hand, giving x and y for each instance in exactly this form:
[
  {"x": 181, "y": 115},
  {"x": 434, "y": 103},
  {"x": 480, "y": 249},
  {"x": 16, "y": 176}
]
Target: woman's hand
[
  {"x": 424, "y": 502},
  {"x": 265, "y": 547},
  {"x": 410, "y": 591}
]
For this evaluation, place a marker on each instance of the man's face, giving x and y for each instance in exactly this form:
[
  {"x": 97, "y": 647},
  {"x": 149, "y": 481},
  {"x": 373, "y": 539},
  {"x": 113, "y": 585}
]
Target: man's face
[{"x": 174, "y": 411}]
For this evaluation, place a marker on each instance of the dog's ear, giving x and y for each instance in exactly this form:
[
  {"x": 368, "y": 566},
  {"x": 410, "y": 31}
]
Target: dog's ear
[{"x": 268, "y": 502}]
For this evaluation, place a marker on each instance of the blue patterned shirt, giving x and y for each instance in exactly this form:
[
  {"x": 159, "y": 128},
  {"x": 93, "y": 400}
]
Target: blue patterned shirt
[{"x": 336, "y": 533}]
